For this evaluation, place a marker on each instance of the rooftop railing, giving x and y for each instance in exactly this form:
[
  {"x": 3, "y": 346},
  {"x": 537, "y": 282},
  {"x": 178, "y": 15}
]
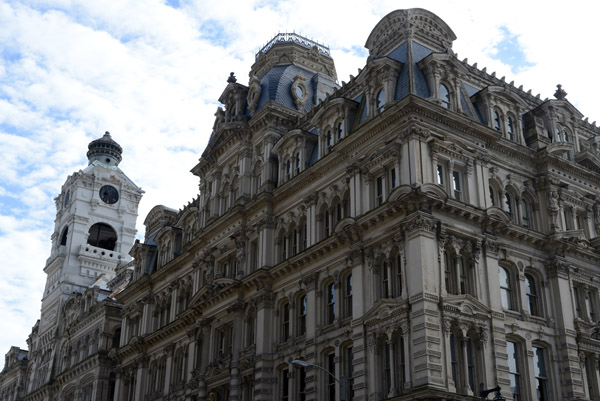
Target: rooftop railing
[{"x": 294, "y": 38}]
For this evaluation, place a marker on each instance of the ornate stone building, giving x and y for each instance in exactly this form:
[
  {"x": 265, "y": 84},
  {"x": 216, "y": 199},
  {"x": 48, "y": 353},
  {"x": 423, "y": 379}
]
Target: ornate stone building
[
  {"x": 419, "y": 230},
  {"x": 87, "y": 267}
]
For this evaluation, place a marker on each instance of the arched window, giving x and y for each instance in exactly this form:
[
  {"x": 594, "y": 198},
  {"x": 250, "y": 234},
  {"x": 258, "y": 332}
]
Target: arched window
[
  {"x": 532, "y": 295},
  {"x": 496, "y": 120},
  {"x": 558, "y": 137},
  {"x": 63, "y": 237},
  {"x": 444, "y": 96},
  {"x": 380, "y": 101},
  {"x": 340, "y": 130},
  {"x": 505, "y": 288},
  {"x": 103, "y": 236},
  {"x": 566, "y": 136},
  {"x": 288, "y": 170},
  {"x": 329, "y": 138},
  {"x": 492, "y": 196},
  {"x": 510, "y": 129}
]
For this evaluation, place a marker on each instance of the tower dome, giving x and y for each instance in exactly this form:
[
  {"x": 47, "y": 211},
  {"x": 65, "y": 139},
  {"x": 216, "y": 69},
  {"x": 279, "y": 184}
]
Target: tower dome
[{"x": 105, "y": 150}]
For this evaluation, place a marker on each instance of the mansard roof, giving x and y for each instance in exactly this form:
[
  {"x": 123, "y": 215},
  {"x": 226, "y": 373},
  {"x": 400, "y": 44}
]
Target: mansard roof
[{"x": 413, "y": 24}]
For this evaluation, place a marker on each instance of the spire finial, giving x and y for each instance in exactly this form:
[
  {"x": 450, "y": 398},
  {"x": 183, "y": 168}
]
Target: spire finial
[{"x": 560, "y": 93}]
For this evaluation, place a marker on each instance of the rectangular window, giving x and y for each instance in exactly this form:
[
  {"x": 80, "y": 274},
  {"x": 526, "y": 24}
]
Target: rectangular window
[
  {"x": 297, "y": 163},
  {"x": 379, "y": 197},
  {"x": 398, "y": 289},
  {"x": 453, "y": 361},
  {"x": 349, "y": 374},
  {"x": 304, "y": 236},
  {"x": 402, "y": 363},
  {"x": 385, "y": 282},
  {"x": 470, "y": 364},
  {"x": 393, "y": 178},
  {"x": 294, "y": 239},
  {"x": 589, "y": 304},
  {"x": 440, "y": 174},
  {"x": 285, "y": 390},
  {"x": 349, "y": 296},
  {"x": 513, "y": 370},
  {"x": 285, "y": 322},
  {"x": 302, "y": 384},
  {"x": 456, "y": 185},
  {"x": 302, "y": 315},
  {"x": 330, "y": 303},
  {"x": 577, "y": 299},
  {"x": 541, "y": 378},
  {"x": 253, "y": 255},
  {"x": 331, "y": 377}
]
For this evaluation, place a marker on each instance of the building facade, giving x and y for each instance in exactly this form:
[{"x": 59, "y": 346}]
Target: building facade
[
  {"x": 88, "y": 264},
  {"x": 418, "y": 232},
  {"x": 423, "y": 231}
]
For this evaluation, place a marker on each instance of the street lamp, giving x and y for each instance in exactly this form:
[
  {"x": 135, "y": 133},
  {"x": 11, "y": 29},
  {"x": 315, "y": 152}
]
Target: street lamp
[
  {"x": 303, "y": 364},
  {"x": 484, "y": 393}
]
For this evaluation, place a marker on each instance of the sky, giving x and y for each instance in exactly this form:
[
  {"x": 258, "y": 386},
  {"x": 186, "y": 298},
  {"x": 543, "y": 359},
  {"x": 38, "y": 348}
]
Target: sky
[{"x": 151, "y": 71}]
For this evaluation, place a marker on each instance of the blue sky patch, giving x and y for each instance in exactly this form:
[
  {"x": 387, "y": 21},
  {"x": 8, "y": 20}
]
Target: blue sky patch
[
  {"x": 173, "y": 3},
  {"x": 214, "y": 32},
  {"x": 510, "y": 52}
]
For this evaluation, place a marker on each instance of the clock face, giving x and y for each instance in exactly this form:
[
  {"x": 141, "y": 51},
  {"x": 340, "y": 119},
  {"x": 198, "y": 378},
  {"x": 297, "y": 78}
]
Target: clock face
[{"x": 109, "y": 194}]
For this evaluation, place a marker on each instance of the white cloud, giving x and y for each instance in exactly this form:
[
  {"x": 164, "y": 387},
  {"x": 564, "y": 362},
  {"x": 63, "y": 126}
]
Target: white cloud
[{"x": 151, "y": 74}]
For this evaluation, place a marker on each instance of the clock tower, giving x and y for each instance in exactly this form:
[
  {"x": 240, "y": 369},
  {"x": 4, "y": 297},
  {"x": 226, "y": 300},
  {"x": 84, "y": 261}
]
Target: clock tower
[{"x": 94, "y": 229}]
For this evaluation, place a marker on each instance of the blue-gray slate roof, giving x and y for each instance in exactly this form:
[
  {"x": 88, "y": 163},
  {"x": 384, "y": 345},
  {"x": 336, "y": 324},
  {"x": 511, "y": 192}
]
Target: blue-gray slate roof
[{"x": 276, "y": 85}]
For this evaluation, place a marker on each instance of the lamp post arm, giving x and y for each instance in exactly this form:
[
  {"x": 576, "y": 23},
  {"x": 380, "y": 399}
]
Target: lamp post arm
[{"x": 342, "y": 383}]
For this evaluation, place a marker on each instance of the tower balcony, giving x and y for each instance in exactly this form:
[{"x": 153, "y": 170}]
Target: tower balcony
[{"x": 91, "y": 252}]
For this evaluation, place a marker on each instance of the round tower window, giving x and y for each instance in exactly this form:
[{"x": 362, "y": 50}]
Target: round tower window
[{"x": 109, "y": 194}]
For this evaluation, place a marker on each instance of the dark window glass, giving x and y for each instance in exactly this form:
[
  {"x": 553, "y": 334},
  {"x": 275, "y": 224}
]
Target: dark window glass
[
  {"x": 541, "y": 378},
  {"x": 102, "y": 236},
  {"x": 532, "y": 298},
  {"x": 380, "y": 101},
  {"x": 330, "y": 303},
  {"x": 331, "y": 377},
  {"x": 444, "y": 96}
]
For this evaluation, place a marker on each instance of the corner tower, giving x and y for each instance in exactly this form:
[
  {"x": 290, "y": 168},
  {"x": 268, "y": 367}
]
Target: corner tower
[{"x": 94, "y": 228}]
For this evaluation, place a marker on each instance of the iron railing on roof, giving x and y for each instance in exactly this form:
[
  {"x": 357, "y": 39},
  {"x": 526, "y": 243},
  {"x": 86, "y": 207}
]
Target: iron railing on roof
[{"x": 294, "y": 38}]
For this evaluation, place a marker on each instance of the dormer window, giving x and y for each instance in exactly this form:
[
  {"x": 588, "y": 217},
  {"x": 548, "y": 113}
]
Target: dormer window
[
  {"x": 565, "y": 135},
  {"x": 510, "y": 131},
  {"x": 380, "y": 101},
  {"x": 496, "y": 120},
  {"x": 444, "y": 96},
  {"x": 558, "y": 137}
]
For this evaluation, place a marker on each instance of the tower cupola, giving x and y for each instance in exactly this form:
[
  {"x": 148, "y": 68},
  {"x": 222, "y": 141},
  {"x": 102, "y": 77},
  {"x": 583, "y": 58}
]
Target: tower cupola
[{"x": 105, "y": 150}]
